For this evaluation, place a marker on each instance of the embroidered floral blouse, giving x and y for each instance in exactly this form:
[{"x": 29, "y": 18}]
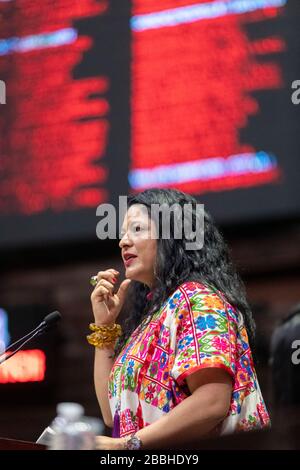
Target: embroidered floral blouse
[{"x": 195, "y": 328}]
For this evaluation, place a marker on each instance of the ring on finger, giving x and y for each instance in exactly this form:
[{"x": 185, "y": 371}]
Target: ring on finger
[{"x": 94, "y": 281}]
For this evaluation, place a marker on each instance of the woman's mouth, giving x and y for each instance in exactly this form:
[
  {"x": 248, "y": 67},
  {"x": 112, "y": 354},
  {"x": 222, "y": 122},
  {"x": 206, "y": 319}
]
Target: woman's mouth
[{"x": 128, "y": 260}]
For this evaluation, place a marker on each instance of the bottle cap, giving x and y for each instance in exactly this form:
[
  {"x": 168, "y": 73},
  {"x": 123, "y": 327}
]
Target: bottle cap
[{"x": 70, "y": 411}]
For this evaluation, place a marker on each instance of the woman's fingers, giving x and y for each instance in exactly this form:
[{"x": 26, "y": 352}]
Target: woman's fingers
[
  {"x": 99, "y": 292},
  {"x": 109, "y": 275},
  {"x": 108, "y": 285},
  {"x": 104, "y": 301},
  {"x": 105, "y": 285},
  {"x": 106, "y": 280}
]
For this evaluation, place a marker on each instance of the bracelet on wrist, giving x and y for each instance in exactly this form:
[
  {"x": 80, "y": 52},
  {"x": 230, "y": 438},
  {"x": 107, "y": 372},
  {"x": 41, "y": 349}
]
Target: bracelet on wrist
[
  {"x": 133, "y": 443},
  {"x": 104, "y": 335},
  {"x": 104, "y": 327}
]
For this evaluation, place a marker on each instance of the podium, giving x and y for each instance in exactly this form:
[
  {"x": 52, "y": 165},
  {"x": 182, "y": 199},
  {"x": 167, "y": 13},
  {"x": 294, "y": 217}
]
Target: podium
[
  {"x": 255, "y": 440},
  {"x": 13, "y": 444},
  {"x": 283, "y": 435}
]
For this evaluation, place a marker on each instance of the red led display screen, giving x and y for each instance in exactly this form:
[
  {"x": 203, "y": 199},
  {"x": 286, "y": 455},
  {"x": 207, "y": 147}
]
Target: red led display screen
[
  {"x": 106, "y": 97},
  {"x": 56, "y": 130},
  {"x": 67, "y": 85},
  {"x": 200, "y": 73},
  {"x": 194, "y": 70}
]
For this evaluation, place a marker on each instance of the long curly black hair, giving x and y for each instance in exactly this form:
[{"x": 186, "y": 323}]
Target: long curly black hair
[{"x": 174, "y": 264}]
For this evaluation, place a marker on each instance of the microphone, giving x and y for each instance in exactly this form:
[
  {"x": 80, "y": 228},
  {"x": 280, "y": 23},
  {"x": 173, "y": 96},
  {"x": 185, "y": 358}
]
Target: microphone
[
  {"x": 50, "y": 320},
  {"x": 44, "y": 326}
]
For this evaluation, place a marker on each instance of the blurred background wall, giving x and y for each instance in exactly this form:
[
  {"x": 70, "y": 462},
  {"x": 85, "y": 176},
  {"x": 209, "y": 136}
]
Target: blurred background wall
[{"x": 104, "y": 98}]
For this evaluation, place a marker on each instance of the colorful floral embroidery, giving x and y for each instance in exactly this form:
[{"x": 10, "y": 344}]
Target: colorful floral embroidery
[{"x": 194, "y": 329}]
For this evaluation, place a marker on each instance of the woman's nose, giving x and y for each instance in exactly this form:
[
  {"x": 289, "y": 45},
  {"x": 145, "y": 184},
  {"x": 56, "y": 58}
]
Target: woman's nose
[{"x": 125, "y": 241}]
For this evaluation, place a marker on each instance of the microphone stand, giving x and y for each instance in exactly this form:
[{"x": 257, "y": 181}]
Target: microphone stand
[
  {"x": 38, "y": 330},
  {"x": 21, "y": 339}
]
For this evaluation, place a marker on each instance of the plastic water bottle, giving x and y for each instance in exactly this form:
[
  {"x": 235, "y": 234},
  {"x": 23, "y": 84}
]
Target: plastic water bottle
[{"x": 71, "y": 431}]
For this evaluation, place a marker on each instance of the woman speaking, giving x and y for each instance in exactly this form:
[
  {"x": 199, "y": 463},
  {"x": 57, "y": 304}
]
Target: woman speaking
[{"x": 180, "y": 368}]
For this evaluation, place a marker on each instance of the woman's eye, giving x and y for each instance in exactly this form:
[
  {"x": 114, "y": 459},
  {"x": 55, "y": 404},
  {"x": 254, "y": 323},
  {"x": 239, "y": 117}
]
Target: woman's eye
[{"x": 137, "y": 228}]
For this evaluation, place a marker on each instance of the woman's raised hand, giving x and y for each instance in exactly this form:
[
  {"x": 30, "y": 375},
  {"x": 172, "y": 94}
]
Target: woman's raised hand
[{"x": 105, "y": 303}]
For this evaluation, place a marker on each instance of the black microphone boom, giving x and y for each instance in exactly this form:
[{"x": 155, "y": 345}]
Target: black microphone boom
[{"x": 48, "y": 321}]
